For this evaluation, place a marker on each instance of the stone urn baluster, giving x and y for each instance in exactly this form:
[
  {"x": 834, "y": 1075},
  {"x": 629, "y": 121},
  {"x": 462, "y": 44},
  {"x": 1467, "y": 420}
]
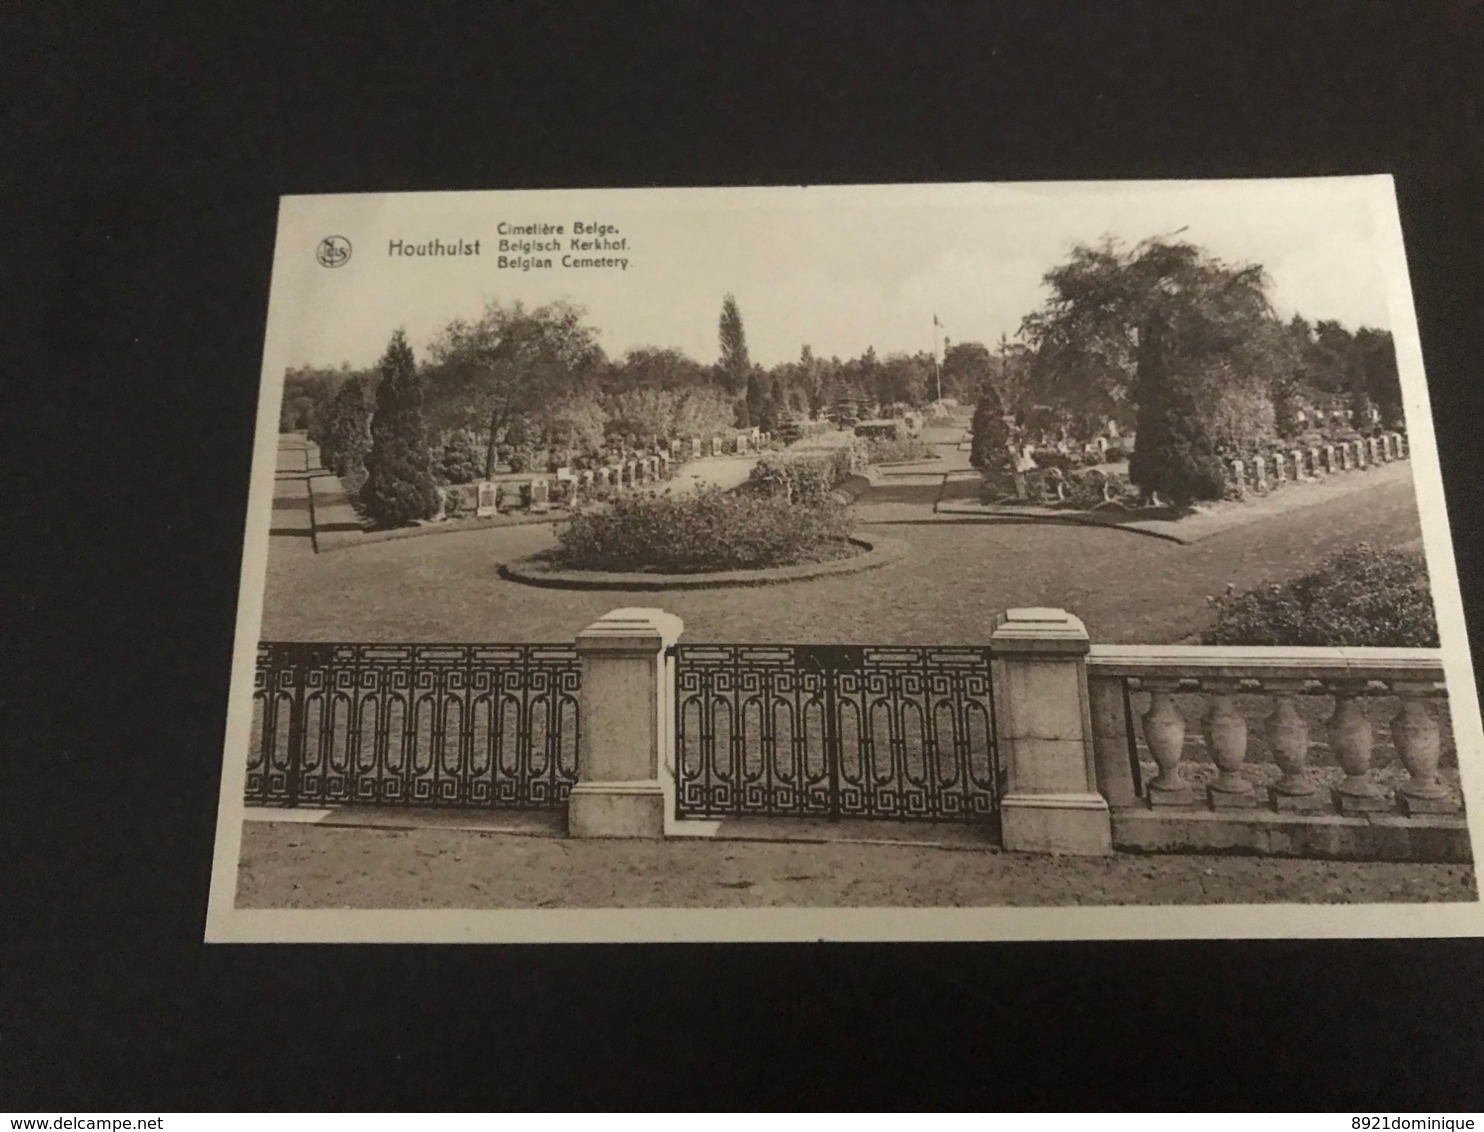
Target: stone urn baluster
[
  {"x": 1164, "y": 731},
  {"x": 1351, "y": 738},
  {"x": 1288, "y": 736},
  {"x": 1418, "y": 744},
  {"x": 1226, "y": 738}
]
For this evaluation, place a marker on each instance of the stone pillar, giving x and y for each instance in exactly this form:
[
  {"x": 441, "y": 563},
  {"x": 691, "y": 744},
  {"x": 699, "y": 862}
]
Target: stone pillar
[
  {"x": 1043, "y": 734},
  {"x": 1238, "y": 473},
  {"x": 624, "y": 754}
]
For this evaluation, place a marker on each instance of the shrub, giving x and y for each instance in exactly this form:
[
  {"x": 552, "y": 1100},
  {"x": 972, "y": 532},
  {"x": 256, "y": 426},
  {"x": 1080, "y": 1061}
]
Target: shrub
[
  {"x": 454, "y": 503},
  {"x": 1359, "y": 596},
  {"x": 1088, "y": 487},
  {"x": 461, "y": 461},
  {"x": 885, "y": 451},
  {"x": 1115, "y": 454},
  {"x": 1055, "y": 458},
  {"x": 709, "y": 530},
  {"x": 806, "y": 478}
]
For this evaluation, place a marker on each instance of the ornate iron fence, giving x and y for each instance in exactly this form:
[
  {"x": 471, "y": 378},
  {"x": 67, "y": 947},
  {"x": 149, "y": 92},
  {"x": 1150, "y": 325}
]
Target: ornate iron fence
[
  {"x": 834, "y": 731},
  {"x": 414, "y": 725}
]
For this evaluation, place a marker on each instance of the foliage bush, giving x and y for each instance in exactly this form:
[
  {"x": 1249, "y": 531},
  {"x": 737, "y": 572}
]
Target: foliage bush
[
  {"x": 461, "y": 461},
  {"x": 1055, "y": 458},
  {"x": 455, "y": 503},
  {"x": 806, "y": 478},
  {"x": 709, "y": 530},
  {"x": 1360, "y": 596},
  {"x": 1115, "y": 454},
  {"x": 1088, "y": 487},
  {"x": 885, "y": 451}
]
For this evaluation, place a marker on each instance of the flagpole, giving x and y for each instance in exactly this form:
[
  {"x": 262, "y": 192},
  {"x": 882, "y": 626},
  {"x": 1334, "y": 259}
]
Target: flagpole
[{"x": 937, "y": 369}]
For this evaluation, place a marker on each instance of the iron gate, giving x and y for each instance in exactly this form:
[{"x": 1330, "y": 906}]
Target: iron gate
[
  {"x": 834, "y": 731},
  {"x": 413, "y": 725}
]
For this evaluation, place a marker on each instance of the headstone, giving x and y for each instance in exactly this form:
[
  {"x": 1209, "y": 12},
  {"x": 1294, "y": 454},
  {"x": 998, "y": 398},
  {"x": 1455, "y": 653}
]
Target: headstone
[
  {"x": 1260, "y": 473},
  {"x": 1359, "y": 447},
  {"x": 540, "y": 495},
  {"x": 1299, "y": 470},
  {"x": 1238, "y": 476},
  {"x": 1372, "y": 451},
  {"x": 1330, "y": 464},
  {"x": 1279, "y": 474},
  {"x": 486, "y": 499},
  {"x": 565, "y": 474},
  {"x": 1314, "y": 461}
]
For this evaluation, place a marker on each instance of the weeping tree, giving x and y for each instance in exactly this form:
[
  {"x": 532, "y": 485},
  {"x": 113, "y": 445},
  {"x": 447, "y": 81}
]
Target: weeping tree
[{"x": 399, "y": 484}]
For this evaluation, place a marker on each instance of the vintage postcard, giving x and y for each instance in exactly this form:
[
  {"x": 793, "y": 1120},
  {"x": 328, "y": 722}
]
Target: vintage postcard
[{"x": 881, "y": 562}]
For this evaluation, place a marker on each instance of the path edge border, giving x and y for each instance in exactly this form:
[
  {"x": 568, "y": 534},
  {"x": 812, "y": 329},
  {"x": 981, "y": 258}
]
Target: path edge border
[{"x": 531, "y": 571}]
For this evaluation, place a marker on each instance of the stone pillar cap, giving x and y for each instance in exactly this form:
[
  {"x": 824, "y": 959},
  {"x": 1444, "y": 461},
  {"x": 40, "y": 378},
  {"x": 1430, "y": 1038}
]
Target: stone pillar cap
[
  {"x": 632, "y": 628},
  {"x": 1039, "y": 630}
]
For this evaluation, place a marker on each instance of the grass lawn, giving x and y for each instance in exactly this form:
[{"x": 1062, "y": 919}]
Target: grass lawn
[{"x": 963, "y": 570}]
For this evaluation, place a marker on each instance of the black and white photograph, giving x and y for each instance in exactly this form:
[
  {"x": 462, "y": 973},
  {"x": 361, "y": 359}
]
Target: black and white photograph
[{"x": 967, "y": 561}]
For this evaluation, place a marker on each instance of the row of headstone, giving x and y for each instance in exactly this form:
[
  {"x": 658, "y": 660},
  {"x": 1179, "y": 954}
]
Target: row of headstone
[
  {"x": 568, "y": 485},
  {"x": 1269, "y": 470},
  {"x": 741, "y": 443}
]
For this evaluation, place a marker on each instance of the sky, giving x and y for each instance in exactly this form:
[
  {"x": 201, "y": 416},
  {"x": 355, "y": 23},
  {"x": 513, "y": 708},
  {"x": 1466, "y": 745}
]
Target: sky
[{"x": 841, "y": 269}]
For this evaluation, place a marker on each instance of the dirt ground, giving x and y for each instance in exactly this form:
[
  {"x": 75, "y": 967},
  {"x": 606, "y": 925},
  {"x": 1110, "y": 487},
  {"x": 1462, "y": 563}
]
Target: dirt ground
[{"x": 288, "y": 865}]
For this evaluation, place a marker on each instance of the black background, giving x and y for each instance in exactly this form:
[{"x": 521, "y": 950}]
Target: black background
[{"x": 144, "y": 150}]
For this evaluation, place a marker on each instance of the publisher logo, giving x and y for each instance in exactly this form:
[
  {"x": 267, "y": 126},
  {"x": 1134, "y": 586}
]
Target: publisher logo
[{"x": 333, "y": 251}]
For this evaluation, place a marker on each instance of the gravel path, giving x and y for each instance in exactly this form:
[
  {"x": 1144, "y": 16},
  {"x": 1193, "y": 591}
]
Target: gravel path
[{"x": 286, "y": 865}]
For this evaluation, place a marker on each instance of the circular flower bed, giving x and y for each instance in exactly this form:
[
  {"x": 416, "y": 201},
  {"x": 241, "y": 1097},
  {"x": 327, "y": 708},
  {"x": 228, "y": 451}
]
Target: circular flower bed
[
  {"x": 706, "y": 532},
  {"x": 542, "y": 570},
  {"x": 706, "y": 539}
]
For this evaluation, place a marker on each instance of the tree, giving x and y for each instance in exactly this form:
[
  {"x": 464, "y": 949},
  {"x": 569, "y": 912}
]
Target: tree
[
  {"x": 1376, "y": 357},
  {"x": 991, "y": 439},
  {"x": 905, "y": 379},
  {"x": 399, "y": 485},
  {"x": 1285, "y": 406},
  {"x": 346, "y": 431},
  {"x": 511, "y": 364},
  {"x": 966, "y": 367},
  {"x": 734, "y": 366},
  {"x": 1085, "y": 340},
  {"x": 1173, "y": 456},
  {"x": 648, "y": 367}
]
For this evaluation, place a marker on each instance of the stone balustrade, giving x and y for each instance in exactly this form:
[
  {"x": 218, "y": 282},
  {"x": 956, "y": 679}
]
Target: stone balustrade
[{"x": 1245, "y": 702}]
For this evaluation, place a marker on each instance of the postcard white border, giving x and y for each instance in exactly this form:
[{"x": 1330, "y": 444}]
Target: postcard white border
[{"x": 227, "y": 923}]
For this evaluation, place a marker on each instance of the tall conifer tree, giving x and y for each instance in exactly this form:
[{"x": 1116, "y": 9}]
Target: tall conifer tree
[
  {"x": 1173, "y": 455},
  {"x": 734, "y": 365},
  {"x": 399, "y": 485}
]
